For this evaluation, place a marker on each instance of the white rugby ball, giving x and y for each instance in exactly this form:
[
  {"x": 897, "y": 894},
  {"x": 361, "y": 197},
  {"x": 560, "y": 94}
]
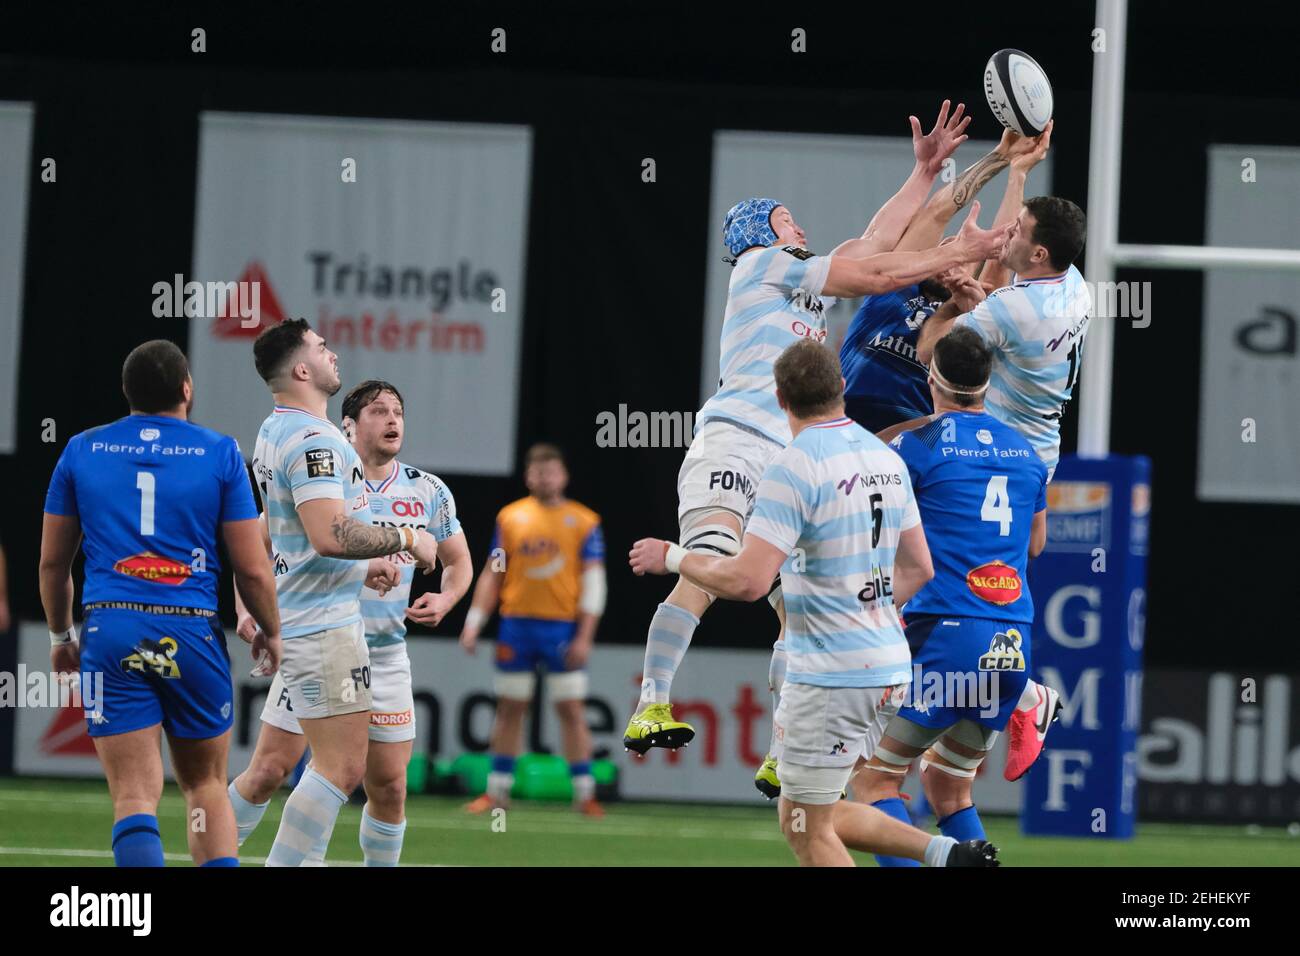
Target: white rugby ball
[{"x": 1018, "y": 92}]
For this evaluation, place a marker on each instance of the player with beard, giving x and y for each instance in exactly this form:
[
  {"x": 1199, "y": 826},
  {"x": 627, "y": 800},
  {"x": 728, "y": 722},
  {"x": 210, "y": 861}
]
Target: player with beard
[
  {"x": 401, "y": 496},
  {"x": 321, "y": 538},
  {"x": 774, "y": 299},
  {"x": 884, "y": 378}
]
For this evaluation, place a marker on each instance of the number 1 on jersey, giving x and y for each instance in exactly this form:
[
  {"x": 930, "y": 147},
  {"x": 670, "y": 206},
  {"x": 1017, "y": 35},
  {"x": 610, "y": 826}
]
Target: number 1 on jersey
[
  {"x": 144, "y": 482},
  {"x": 997, "y": 504}
]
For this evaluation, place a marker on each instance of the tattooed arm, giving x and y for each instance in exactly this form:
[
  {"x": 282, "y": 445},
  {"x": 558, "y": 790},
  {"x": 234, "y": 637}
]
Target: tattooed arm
[
  {"x": 927, "y": 226},
  {"x": 334, "y": 534}
]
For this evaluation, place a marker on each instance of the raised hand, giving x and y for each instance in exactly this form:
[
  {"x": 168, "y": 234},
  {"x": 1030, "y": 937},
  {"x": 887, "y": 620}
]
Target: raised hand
[
  {"x": 1026, "y": 152},
  {"x": 941, "y": 142},
  {"x": 980, "y": 243}
]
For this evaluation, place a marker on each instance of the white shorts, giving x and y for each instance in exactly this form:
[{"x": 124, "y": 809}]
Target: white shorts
[
  {"x": 824, "y": 729},
  {"x": 325, "y": 674},
  {"x": 392, "y": 714},
  {"x": 722, "y": 469}
]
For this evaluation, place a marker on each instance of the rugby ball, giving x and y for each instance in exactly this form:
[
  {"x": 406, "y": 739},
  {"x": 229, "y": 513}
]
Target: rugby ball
[{"x": 1018, "y": 92}]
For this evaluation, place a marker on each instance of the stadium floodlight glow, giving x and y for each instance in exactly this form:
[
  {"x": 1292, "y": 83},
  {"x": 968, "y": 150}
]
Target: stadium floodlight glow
[{"x": 1105, "y": 252}]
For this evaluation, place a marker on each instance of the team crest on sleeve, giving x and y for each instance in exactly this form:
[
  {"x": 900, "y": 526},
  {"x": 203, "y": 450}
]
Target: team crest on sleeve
[
  {"x": 798, "y": 253},
  {"x": 320, "y": 463}
]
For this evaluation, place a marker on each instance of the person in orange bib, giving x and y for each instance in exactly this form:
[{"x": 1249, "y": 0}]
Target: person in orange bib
[{"x": 546, "y": 571}]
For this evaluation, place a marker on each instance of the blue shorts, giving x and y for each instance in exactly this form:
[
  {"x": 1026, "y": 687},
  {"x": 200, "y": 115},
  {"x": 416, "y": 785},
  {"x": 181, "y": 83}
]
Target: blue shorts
[
  {"x": 157, "y": 668},
  {"x": 523, "y": 642},
  {"x": 965, "y": 668}
]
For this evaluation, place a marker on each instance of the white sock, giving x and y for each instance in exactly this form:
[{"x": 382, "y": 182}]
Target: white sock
[
  {"x": 308, "y": 820},
  {"x": 499, "y": 786},
  {"x": 670, "y": 634},
  {"x": 775, "y": 681},
  {"x": 316, "y": 856},
  {"x": 1028, "y": 697},
  {"x": 381, "y": 843},
  {"x": 247, "y": 815},
  {"x": 936, "y": 853},
  {"x": 584, "y": 787}
]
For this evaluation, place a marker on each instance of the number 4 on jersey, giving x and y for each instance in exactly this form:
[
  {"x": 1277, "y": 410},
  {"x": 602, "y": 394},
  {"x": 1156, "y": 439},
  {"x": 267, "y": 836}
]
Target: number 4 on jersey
[{"x": 997, "y": 504}]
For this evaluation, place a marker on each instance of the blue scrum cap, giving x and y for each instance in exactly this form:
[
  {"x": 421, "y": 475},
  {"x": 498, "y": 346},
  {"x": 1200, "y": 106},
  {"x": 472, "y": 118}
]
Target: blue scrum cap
[{"x": 749, "y": 223}]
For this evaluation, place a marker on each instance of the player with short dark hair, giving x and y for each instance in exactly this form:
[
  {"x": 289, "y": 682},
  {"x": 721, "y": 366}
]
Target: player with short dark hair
[
  {"x": 546, "y": 573},
  {"x": 774, "y": 299},
  {"x": 982, "y": 494},
  {"x": 147, "y": 497},
  {"x": 400, "y": 495},
  {"x": 321, "y": 540},
  {"x": 841, "y": 500}
]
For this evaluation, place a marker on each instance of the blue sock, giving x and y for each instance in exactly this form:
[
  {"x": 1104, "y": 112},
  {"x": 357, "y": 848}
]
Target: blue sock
[
  {"x": 136, "y": 841},
  {"x": 502, "y": 763},
  {"x": 894, "y": 807},
  {"x": 221, "y": 861},
  {"x": 963, "y": 825}
]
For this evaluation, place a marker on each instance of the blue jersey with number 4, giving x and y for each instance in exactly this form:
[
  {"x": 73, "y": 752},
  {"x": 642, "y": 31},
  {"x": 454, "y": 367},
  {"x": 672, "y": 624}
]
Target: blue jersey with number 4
[
  {"x": 151, "y": 493},
  {"x": 978, "y": 484}
]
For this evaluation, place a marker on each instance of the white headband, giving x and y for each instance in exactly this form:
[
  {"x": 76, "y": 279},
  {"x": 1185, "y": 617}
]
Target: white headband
[{"x": 948, "y": 386}]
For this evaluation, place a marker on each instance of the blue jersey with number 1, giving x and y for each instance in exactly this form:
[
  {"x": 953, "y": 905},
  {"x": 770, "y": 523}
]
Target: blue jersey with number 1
[{"x": 151, "y": 493}]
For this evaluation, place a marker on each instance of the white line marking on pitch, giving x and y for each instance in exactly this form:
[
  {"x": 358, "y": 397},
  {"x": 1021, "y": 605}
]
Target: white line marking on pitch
[{"x": 169, "y": 857}]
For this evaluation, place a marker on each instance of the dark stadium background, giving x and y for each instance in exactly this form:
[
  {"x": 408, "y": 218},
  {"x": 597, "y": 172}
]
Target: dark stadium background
[{"x": 118, "y": 96}]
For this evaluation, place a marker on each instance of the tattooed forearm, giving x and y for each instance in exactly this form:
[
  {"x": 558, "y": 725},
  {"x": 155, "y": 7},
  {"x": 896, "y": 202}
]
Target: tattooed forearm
[
  {"x": 360, "y": 540},
  {"x": 973, "y": 178}
]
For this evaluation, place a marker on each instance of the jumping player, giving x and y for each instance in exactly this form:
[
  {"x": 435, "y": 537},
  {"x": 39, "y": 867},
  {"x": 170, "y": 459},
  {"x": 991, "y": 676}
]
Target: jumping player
[
  {"x": 1035, "y": 322},
  {"x": 150, "y": 493},
  {"x": 313, "y": 488},
  {"x": 841, "y": 500},
  {"x": 400, "y": 496},
  {"x": 981, "y": 490},
  {"x": 547, "y": 573},
  {"x": 886, "y": 379},
  {"x": 774, "y": 300}
]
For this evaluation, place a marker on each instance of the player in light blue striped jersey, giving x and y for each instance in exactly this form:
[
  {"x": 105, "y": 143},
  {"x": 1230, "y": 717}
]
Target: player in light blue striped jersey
[
  {"x": 320, "y": 539},
  {"x": 775, "y": 298},
  {"x": 399, "y": 496},
  {"x": 836, "y": 515},
  {"x": 1035, "y": 319}
]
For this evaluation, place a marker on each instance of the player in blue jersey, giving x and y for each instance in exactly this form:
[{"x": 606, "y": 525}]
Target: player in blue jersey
[
  {"x": 1035, "y": 320},
  {"x": 400, "y": 496},
  {"x": 321, "y": 539},
  {"x": 147, "y": 497},
  {"x": 886, "y": 375},
  {"x": 982, "y": 493},
  {"x": 836, "y": 516},
  {"x": 774, "y": 299},
  {"x": 884, "y": 379}
]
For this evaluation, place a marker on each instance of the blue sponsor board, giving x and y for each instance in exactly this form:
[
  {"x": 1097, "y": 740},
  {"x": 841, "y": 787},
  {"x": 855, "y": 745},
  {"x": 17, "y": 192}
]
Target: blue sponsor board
[{"x": 1089, "y": 588}]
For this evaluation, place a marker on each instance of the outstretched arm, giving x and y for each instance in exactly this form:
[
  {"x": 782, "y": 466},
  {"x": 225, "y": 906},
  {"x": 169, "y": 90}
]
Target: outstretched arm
[
  {"x": 887, "y": 271},
  {"x": 1026, "y": 153},
  {"x": 746, "y": 577},
  {"x": 887, "y": 226}
]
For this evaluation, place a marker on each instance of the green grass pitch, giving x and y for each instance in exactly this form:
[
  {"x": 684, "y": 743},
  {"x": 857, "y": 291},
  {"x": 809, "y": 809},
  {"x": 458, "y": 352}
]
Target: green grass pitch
[{"x": 66, "y": 823}]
